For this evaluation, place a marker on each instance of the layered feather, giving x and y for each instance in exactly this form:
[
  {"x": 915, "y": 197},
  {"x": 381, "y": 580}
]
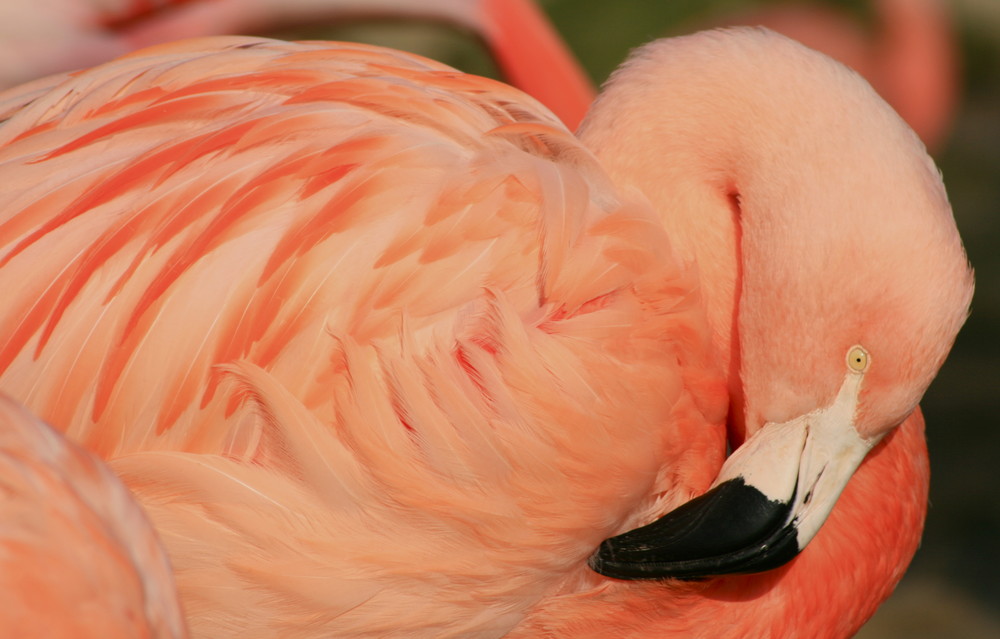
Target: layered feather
[{"x": 373, "y": 341}]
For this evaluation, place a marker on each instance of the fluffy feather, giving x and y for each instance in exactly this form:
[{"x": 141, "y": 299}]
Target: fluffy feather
[{"x": 359, "y": 331}]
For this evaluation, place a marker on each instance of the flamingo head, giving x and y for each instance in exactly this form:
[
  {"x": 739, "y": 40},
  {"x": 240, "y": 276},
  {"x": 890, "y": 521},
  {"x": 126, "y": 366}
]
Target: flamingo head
[{"x": 840, "y": 300}]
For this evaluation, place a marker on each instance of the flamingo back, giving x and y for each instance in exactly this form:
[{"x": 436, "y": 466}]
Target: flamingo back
[{"x": 375, "y": 342}]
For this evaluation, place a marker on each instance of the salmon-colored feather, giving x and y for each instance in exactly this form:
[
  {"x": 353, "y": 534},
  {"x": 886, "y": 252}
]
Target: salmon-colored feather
[
  {"x": 78, "y": 557},
  {"x": 308, "y": 304}
]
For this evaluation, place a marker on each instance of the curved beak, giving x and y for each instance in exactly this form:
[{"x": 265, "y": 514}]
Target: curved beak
[{"x": 771, "y": 497}]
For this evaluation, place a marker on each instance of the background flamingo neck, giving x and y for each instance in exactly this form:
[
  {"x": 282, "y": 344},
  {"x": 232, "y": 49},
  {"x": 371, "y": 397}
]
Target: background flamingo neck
[{"x": 830, "y": 590}]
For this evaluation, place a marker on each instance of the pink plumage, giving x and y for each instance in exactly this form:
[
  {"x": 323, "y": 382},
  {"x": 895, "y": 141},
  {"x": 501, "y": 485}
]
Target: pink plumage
[
  {"x": 78, "y": 558},
  {"x": 346, "y": 326}
]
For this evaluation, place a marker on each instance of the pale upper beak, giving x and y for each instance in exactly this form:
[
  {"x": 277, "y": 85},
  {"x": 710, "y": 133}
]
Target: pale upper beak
[{"x": 770, "y": 499}]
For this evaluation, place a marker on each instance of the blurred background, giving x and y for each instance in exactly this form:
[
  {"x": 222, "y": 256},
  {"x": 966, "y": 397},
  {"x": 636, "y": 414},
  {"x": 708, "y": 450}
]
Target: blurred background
[{"x": 938, "y": 63}]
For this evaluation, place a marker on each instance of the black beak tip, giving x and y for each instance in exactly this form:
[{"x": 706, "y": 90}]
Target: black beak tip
[
  {"x": 604, "y": 554},
  {"x": 733, "y": 528},
  {"x": 615, "y": 562},
  {"x": 596, "y": 562}
]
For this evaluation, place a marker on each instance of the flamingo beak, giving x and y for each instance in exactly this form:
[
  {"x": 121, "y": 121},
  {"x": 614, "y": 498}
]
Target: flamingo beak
[{"x": 771, "y": 497}]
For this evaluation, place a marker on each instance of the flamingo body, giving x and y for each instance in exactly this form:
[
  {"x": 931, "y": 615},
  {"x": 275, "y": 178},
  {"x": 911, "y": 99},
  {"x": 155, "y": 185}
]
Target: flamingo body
[{"x": 305, "y": 298}]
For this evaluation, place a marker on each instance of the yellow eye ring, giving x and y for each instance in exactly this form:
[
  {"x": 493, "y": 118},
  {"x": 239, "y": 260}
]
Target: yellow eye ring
[{"x": 858, "y": 359}]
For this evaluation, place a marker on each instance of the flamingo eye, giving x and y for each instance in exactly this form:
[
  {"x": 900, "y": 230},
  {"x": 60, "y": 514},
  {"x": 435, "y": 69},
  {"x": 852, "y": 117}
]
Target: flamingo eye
[{"x": 857, "y": 359}]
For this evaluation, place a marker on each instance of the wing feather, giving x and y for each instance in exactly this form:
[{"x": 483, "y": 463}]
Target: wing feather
[{"x": 345, "y": 316}]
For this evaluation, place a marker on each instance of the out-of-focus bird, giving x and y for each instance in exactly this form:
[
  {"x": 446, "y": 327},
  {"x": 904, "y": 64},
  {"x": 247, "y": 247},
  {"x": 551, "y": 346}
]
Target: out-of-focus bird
[
  {"x": 383, "y": 348},
  {"x": 78, "y": 558},
  {"x": 40, "y": 37},
  {"x": 908, "y": 52}
]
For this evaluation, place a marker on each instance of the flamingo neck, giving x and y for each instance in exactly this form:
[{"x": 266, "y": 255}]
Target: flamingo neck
[
  {"x": 829, "y": 590},
  {"x": 788, "y": 182}
]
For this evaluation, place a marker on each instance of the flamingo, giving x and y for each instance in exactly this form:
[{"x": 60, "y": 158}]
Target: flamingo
[
  {"x": 382, "y": 348},
  {"x": 78, "y": 558}
]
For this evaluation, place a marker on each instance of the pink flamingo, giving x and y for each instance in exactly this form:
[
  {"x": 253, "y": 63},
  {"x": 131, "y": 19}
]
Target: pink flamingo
[
  {"x": 383, "y": 348},
  {"x": 78, "y": 558}
]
